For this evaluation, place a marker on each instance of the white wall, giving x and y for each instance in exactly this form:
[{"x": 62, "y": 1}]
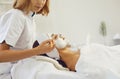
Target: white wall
[
  {"x": 5, "y": 5},
  {"x": 78, "y": 18}
]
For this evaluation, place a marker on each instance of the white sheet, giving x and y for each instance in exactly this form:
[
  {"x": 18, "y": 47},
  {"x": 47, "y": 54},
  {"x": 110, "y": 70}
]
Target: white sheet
[
  {"x": 5, "y": 76},
  {"x": 98, "y": 62},
  {"x": 31, "y": 68},
  {"x": 5, "y": 67},
  {"x": 5, "y": 70}
]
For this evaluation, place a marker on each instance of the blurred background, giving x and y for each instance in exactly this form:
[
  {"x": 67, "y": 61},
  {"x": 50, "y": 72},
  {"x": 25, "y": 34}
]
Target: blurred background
[{"x": 79, "y": 20}]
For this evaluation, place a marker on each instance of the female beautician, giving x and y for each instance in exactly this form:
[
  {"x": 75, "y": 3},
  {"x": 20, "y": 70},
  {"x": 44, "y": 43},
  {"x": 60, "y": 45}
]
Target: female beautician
[{"x": 17, "y": 31}]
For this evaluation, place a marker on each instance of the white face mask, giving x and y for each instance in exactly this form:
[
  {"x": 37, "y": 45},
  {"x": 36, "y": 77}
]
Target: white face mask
[{"x": 60, "y": 43}]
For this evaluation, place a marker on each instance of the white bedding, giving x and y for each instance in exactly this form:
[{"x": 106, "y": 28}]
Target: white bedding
[
  {"x": 5, "y": 76},
  {"x": 32, "y": 68},
  {"x": 100, "y": 62}
]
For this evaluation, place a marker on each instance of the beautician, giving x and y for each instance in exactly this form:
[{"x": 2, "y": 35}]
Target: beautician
[{"x": 17, "y": 31}]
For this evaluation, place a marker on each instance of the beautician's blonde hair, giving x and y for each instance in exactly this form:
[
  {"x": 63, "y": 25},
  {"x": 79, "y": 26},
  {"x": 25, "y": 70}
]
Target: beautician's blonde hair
[{"x": 25, "y": 4}]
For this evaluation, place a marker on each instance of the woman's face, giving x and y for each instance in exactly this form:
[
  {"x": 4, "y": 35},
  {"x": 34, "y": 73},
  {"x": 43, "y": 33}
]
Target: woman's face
[{"x": 37, "y": 5}]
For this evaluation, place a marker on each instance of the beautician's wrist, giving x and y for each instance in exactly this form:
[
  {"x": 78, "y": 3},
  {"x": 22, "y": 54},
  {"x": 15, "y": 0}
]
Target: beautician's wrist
[{"x": 37, "y": 50}]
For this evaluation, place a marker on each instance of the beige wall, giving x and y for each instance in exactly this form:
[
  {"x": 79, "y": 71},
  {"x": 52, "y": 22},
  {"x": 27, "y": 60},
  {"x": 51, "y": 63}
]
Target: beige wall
[
  {"x": 5, "y": 5},
  {"x": 79, "y": 18}
]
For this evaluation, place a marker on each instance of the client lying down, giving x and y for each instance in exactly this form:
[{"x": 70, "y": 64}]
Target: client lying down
[
  {"x": 69, "y": 56},
  {"x": 95, "y": 55}
]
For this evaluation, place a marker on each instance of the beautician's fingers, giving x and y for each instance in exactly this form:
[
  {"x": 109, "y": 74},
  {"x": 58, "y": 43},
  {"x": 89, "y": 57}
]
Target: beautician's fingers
[
  {"x": 46, "y": 46},
  {"x": 54, "y": 36},
  {"x": 49, "y": 42}
]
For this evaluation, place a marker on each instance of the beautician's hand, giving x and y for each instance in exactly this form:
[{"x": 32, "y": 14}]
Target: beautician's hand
[{"x": 46, "y": 46}]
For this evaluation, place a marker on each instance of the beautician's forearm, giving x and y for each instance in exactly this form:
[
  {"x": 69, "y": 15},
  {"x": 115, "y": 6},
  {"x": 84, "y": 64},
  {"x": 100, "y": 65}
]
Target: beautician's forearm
[{"x": 13, "y": 55}]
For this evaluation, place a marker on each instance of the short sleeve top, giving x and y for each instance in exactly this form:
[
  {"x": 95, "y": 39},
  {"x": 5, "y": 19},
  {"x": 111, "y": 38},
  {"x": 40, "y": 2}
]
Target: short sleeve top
[{"x": 17, "y": 29}]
